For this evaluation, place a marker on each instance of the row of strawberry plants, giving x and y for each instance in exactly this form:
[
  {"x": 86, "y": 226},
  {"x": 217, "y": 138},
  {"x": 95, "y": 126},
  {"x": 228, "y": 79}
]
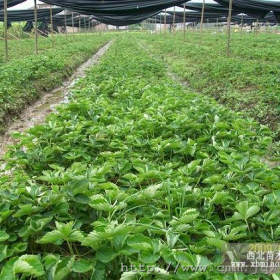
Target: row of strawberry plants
[
  {"x": 247, "y": 82},
  {"x": 24, "y": 79},
  {"x": 134, "y": 170},
  {"x": 18, "y": 49}
]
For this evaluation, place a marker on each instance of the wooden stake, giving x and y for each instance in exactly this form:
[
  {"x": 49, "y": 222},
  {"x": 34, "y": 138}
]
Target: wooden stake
[
  {"x": 165, "y": 22},
  {"x": 229, "y": 27},
  {"x": 52, "y": 26},
  {"x": 266, "y": 28},
  {"x": 184, "y": 22},
  {"x": 12, "y": 35},
  {"x": 80, "y": 24},
  {"x": 201, "y": 21},
  {"x": 65, "y": 25},
  {"x": 242, "y": 17},
  {"x": 73, "y": 23},
  {"x": 174, "y": 16},
  {"x": 36, "y": 27},
  {"x": 6, "y": 58}
]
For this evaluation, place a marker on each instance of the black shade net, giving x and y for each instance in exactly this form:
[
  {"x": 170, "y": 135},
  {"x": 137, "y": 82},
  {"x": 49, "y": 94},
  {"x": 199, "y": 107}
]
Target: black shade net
[
  {"x": 168, "y": 19},
  {"x": 270, "y": 17},
  {"x": 115, "y": 7},
  {"x": 209, "y": 7},
  {"x": 193, "y": 15},
  {"x": 79, "y": 22},
  {"x": 10, "y": 3},
  {"x": 124, "y": 20},
  {"x": 43, "y": 29},
  {"x": 28, "y": 27},
  {"x": 117, "y": 12},
  {"x": 255, "y": 8},
  {"x": 260, "y": 5},
  {"x": 28, "y": 15}
]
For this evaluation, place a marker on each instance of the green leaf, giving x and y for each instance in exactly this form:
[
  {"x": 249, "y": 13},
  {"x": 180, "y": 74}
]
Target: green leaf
[
  {"x": 106, "y": 254},
  {"x": 244, "y": 211},
  {"x": 189, "y": 216},
  {"x": 54, "y": 237},
  {"x": 140, "y": 242},
  {"x": 30, "y": 265},
  {"x": 148, "y": 257},
  {"x": 64, "y": 268},
  {"x": 99, "y": 272},
  {"x": 7, "y": 272},
  {"x": 82, "y": 266},
  {"x": 3, "y": 236},
  {"x": 129, "y": 275}
]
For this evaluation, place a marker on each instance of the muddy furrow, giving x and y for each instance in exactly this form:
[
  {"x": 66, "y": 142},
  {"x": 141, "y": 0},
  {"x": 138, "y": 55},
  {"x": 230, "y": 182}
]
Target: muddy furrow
[{"x": 38, "y": 111}]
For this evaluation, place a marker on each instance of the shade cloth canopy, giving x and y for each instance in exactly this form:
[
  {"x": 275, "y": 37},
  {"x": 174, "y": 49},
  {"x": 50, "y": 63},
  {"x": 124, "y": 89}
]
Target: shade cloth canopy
[
  {"x": 197, "y": 15},
  {"x": 257, "y": 8},
  {"x": 123, "y": 20},
  {"x": 209, "y": 7},
  {"x": 115, "y": 7},
  {"x": 28, "y": 15},
  {"x": 10, "y": 3},
  {"x": 28, "y": 27}
]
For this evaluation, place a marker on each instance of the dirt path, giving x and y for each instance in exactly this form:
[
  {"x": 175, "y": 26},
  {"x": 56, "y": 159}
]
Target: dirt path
[
  {"x": 37, "y": 112},
  {"x": 170, "y": 72}
]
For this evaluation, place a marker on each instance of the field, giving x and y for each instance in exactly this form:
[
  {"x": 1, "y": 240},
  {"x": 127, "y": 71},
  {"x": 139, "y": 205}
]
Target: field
[
  {"x": 26, "y": 76},
  {"x": 248, "y": 82},
  {"x": 140, "y": 169}
]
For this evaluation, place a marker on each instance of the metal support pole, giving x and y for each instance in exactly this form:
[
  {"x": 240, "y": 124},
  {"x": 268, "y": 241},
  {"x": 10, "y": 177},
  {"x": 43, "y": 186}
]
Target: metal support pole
[
  {"x": 73, "y": 24},
  {"x": 85, "y": 26},
  {"x": 6, "y": 58},
  {"x": 51, "y": 14},
  {"x": 266, "y": 28},
  {"x": 184, "y": 22},
  {"x": 174, "y": 16},
  {"x": 165, "y": 22},
  {"x": 36, "y": 27},
  {"x": 242, "y": 16},
  {"x": 65, "y": 25},
  {"x": 79, "y": 24},
  {"x": 229, "y": 27},
  {"x": 201, "y": 21}
]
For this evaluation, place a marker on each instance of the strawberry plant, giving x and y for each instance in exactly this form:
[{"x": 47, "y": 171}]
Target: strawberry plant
[
  {"x": 247, "y": 82},
  {"x": 25, "y": 78},
  {"x": 135, "y": 170}
]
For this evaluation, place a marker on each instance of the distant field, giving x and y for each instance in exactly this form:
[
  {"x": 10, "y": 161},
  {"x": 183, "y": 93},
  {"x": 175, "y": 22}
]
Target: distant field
[{"x": 249, "y": 81}]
